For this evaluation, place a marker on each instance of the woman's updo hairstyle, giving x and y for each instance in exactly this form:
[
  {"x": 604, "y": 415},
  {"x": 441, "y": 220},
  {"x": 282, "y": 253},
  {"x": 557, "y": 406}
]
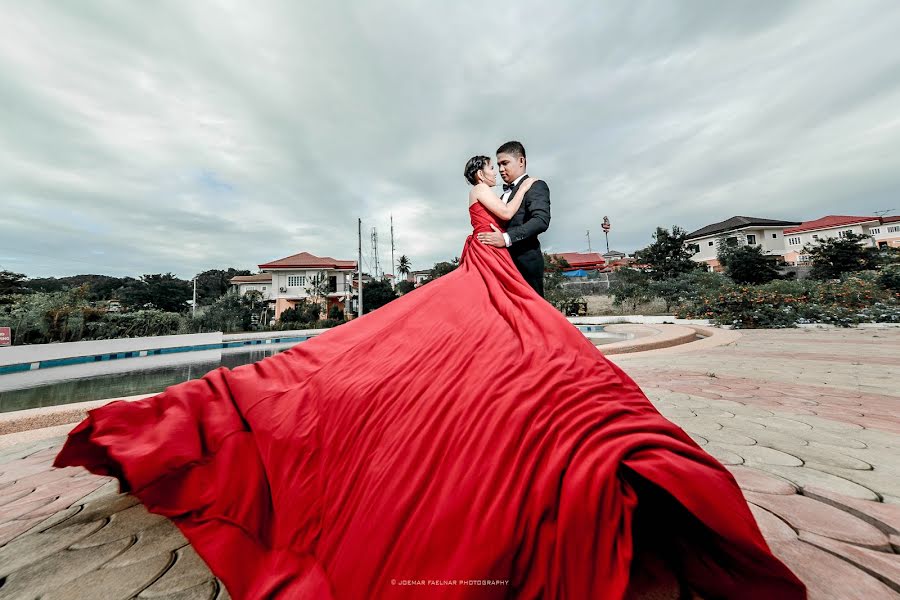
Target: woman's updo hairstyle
[{"x": 475, "y": 164}]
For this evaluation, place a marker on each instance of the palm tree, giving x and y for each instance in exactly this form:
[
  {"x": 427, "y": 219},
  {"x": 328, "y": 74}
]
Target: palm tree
[{"x": 404, "y": 266}]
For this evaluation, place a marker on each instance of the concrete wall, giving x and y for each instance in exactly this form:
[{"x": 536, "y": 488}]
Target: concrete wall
[{"x": 38, "y": 352}]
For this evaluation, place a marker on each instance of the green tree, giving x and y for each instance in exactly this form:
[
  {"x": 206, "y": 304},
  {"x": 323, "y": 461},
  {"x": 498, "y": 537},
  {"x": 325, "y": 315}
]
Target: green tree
[
  {"x": 103, "y": 287},
  {"x": 46, "y": 284},
  {"x": 11, "y": 283},
  {"x": 747, "y": 264},
  {"x": 405, "y": 287},
  {"x": 228, "y": 313},
  {"x": 687, "y": 288},
  {"x": 564, "y": 298},
  {"x": 889, "y": 278},
  {"x": 318, "y": 288},
  {"x": 303, "y": 313},
  {"x": 404, "y": 266},
  {"x": 335, "y": 313},
  {"x": 667, "y": 256},
  {"x": 631, "y": 287},
  {"x": 878, "y": 258},
  {"x": 832, "y": 257},
  {"x": 99, "y": 287},
  {"x": 442, "y": 268},
  {"x": 376, "y": 294},
  {"x": 214, "y": 283},
  {"x": 165, "y": 292}
]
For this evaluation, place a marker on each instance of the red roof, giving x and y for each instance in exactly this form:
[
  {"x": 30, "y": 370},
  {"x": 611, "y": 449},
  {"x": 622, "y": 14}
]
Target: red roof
[
  {"x": 829, "y": 222},
  {"x": 305, "y": 260},
  {"x": 582, "y": 260},
  {"x": 891, "y": 219},
  {"x": 258, "y": 278}
]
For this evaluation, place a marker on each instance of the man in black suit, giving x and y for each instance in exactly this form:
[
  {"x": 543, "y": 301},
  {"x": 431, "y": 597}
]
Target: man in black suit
[{"x": 532, "y": 218}]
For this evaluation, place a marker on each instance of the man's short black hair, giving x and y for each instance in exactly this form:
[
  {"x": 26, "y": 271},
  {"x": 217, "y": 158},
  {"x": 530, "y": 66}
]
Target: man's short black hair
[{"x": 512, "y": 148}]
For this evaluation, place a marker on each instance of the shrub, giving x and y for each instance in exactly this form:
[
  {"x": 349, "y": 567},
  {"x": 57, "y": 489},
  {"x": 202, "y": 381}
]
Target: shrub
[
  {"x": 889, "y": 278},
  {"x": 856, "y": 299},
  {"x": 140, "y": 323}
]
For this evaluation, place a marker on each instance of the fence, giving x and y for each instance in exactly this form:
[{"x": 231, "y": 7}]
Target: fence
[{"x": 592, "y": 286}]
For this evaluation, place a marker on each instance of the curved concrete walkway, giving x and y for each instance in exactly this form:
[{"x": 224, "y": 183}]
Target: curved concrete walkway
[{"x": 807, "y": 420}]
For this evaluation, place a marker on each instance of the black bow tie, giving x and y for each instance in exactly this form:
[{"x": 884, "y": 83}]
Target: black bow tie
[{"x": 508, "y": 186}]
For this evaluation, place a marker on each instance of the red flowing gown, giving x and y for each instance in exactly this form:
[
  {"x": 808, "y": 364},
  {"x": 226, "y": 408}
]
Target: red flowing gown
[{"x": 463, "y": 441}]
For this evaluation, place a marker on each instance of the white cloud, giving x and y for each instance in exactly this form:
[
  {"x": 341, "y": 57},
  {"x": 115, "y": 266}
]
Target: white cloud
[{"x": 183, "y": 136}]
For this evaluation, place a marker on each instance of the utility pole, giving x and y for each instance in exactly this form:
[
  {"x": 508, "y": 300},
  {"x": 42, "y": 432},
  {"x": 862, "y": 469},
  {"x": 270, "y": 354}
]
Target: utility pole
[
  {"x": 589, "y": 241},
  {"x": 194, "y": 305},
  {"x": 606, "y": 227},
  {"x": 393, "y": 264},
  {"x": 375, "y": 250},
  {"x": 359, "y": 270}
]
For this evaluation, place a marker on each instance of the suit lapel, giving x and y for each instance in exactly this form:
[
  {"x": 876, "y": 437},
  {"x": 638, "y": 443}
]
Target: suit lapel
[{"x": 515, "y": 189}]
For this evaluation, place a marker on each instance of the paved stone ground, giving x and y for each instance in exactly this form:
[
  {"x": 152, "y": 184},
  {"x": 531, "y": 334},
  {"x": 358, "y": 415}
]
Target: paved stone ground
[{"x": 806, "y": 420}]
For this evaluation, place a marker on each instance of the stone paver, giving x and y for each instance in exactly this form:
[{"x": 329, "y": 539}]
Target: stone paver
[{"x": 808, "y": 421}]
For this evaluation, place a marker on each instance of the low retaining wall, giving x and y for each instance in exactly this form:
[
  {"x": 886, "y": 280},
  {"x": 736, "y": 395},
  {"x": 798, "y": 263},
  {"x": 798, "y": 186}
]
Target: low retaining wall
[
  {"x": 659, "y": 336},
  {"x": 635, "y": 320},
  {"x": 17, "y": 359}
]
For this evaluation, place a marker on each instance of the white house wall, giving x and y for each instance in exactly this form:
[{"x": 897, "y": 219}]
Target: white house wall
[
  {"x": 280, "y": 280},
  {"x": 764, "y": 238},
  {"x": 796, "y": 241}
]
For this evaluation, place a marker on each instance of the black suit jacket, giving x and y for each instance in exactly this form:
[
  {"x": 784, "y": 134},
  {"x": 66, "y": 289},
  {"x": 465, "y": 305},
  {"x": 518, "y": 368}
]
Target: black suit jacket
[{"x": 532, "y": 219}]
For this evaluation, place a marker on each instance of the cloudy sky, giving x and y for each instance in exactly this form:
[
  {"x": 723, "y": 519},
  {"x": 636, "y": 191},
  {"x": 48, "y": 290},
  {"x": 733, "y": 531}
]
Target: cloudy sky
[{"x": 142, "y": 137}]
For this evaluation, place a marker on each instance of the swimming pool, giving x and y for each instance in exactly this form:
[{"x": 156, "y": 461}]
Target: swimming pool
[{"x": 82, "y": 381}]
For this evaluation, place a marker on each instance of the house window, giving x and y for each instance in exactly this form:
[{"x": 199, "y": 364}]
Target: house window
[
  {"x": 844, "y": 233},
  {"x": 815, "y": 237},
  {"x": 794, "y": 241},
  {"x": 711, "y": 243},
  {"x": 751, "y": 239},
  {"x": 893, "y": 229},
  {"x": 264, "y": 288},
  {"x": 774, "y": 236},
  {"x": 732, "y": 241},
  {"x": 296, "y": 280},
  {"x": 875, "y": 231}
]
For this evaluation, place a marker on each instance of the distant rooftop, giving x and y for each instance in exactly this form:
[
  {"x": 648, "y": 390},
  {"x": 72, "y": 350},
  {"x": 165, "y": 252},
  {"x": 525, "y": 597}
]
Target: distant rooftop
[
  {"x": 735, "y": 223},
  {"x": 582, "y": 260},
  {"x": 305, "y": 260},
  {"x": 830, "y": 221},
  {"x": 258, "y": 278}
]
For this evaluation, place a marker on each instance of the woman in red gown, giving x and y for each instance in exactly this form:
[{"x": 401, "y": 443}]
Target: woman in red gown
[{"x": 463, "y": 441}]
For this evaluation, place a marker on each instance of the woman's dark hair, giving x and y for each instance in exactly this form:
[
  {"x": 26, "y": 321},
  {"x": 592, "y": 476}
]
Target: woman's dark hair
[{"x": 475, "y": 164}]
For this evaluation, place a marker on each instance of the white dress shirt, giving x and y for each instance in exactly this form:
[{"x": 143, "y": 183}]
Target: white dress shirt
[{"x": 506, "y": 197}]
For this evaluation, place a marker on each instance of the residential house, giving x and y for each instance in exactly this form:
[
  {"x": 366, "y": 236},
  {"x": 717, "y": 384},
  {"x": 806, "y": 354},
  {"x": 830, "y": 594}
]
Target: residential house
[
  {"x": 261, "y": 282},
  {"x": 628, "y": 262},
  {"x": 742, "y": 231},
  {"x": 831, "y": 226},
  {"x": 888, "y": 233},
  {"x": 294, "y": 278},
  {"x": 417, "y": 277},
  {"x": 586, "y": 261}
]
